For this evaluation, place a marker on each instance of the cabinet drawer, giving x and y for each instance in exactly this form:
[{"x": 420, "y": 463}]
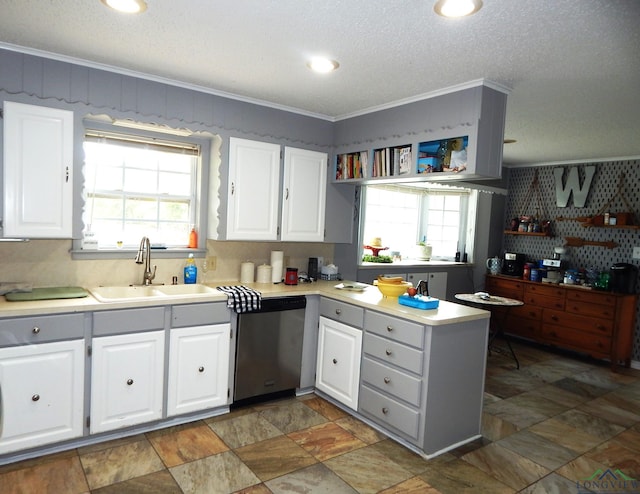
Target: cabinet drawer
[
  {"x": 504, "y": 287},
  {"x": 199, "y": 314},
  {"x": 406, "y": 332},
  {"x": 127, "y": 320},
  {"x": 526, "y": 328},
  {"x": 340, "y": 311},
  {"x": 393, "y": 353},
  {"x": 577, "y": 340},
  {"x": 581, "y": 295},
  {"x": 590, "y": 309},
  {"x": 544, "y": 301},
  {"x": 544, "y": 289},
  {"x": 526, "y": 312},
  {"x": 391, "y": 381},
  {"x": 586, "y": 324},
  {"x": 389, "y": 413},
  {"x": 41, "y": 329}
]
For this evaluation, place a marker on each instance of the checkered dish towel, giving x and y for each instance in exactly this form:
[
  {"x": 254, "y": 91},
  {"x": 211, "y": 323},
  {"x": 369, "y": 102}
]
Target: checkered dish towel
[{"x": 242, "y": 298}]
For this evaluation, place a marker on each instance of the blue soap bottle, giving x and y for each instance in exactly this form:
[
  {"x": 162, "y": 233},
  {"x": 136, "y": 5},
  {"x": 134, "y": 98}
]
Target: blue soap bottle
[{"x": 190, "y": 271}]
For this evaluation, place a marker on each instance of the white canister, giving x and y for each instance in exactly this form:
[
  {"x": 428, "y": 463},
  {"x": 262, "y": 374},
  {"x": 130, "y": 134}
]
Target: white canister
[
  {"x": 264, "y": 273},
  {"x": 247, "y": 272},
  {"x": 277, "y": 266}
]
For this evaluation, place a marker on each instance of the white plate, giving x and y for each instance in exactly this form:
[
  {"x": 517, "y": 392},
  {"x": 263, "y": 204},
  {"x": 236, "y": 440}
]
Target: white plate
[{"x": 351, "y": 285}]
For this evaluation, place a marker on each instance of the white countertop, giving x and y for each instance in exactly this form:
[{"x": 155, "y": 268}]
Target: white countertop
[{"x": 370, "y": 298}]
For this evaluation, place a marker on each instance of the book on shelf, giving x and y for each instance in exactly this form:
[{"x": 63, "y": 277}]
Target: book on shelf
[
  {"x": 404, "y": 160},
  {"x": 351, "y": 165}
]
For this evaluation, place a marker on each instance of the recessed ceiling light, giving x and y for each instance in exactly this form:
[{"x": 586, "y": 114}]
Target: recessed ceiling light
[
  {"x": 126, "y": 6},
  {"x": 322, "y": 65},
  {"x": 457, "y": 8}
]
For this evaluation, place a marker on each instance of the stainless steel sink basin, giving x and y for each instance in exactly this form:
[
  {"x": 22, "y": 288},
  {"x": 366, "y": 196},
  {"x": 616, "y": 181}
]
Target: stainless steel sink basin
[
  {"x": 120, "y": 293},
  {"x": 136, "y": 293}
]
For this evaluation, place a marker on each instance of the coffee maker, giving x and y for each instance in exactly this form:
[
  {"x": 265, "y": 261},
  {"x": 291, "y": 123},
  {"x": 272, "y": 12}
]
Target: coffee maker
[{"x": 513, "y": 264}]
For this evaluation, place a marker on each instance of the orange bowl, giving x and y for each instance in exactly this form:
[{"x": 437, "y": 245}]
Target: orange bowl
[{"x": 394, "y": 289}]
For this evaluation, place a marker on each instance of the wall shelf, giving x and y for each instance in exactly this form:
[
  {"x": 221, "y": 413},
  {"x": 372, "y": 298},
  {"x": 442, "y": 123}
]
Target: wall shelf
[
  {"x": 530, "y": 234},
  {"x": 628, "y": 227}
]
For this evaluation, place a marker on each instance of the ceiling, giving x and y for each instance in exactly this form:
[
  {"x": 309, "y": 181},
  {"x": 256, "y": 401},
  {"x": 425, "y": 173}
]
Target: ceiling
[{"x": 572, "y": 66}]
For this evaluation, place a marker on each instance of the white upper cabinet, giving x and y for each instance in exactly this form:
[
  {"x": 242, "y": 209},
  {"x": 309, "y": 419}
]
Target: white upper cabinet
[
  {"x": 304, "y": 195},
  {"x": 256, "y": 209},
  {"x": 38, "y": 171},
  {"x": 253, "y": 190}
]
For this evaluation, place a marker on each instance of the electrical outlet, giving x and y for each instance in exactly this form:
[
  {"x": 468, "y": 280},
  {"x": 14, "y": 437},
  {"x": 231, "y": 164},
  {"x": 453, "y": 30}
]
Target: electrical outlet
[
  {"x": 286, "y": 260},
  {"x": 636, "y": 253},
  {"x": 211, "y": 263}
]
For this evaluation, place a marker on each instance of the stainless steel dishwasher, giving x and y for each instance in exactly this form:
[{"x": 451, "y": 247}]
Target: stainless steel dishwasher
[{"x": 269, "y": 349}]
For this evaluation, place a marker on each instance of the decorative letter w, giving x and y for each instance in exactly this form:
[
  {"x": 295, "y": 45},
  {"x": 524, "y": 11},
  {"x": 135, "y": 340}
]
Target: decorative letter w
[{"x": 573, "y": 185}]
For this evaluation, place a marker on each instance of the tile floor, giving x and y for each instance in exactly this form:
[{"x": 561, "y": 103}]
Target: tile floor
[{"x": 547, "y": 426}]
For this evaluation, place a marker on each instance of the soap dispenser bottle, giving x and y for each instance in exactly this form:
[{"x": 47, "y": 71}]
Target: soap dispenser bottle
[{"x": 190, "y": 271}]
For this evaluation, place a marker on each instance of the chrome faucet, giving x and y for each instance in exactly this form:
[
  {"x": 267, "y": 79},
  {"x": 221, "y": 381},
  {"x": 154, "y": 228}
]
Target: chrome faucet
[{"x": 144, "y": 254}]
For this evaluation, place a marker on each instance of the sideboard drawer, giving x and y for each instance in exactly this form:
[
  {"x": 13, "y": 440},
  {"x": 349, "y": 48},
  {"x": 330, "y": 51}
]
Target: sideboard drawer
[
  {"x": 511, "y": 288},
  {"x": 544, "y": 289},
  {"x": 589, "y": 324},
  {"x": 590, "y": 309},
  {"x": 409, "y": 333},
  {"x": 575, "y": 339},
  {"x": 590, "y": 296},
  {"x": 548, "y": 301},
  {"x": 391, "y": 381}
]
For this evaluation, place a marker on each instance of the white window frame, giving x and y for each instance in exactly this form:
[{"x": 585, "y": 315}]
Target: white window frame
[{"x": 198, "y": 213}]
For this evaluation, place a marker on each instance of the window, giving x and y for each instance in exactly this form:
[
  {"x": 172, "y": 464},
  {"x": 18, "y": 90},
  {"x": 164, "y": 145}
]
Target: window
[
  {"x": 139, "y": 186},
  {"x": 405, "y": 215}
]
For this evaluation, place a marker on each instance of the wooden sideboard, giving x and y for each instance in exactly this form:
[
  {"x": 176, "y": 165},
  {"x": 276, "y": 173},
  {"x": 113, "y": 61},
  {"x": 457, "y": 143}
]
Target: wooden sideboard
[{"x": 597, "y": 323}]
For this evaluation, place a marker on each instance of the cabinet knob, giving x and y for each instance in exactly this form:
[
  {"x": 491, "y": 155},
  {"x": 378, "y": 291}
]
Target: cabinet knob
[
  {"x": 129, "y": 382},
  {"x": 35, "y": 330},
  {"x": 35, "y": 397},
  {"x": 286, "y": 197},
  {"x": 338, "y": 311},
  {"x": 200, "y": 369},
  {"x": 387, "y": 380},
  {"x": 335, "y": 361},
  {"x": 385, "y": 410},
  {"x": 389, "y": 328},
  {"x": 388, "y": 352}
]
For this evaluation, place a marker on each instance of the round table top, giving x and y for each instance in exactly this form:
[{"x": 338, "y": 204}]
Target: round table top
[{"x": 492, "y": 300}]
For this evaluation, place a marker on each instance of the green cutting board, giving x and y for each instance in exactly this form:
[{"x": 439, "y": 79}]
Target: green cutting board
[{"x": 48, "y": 293}]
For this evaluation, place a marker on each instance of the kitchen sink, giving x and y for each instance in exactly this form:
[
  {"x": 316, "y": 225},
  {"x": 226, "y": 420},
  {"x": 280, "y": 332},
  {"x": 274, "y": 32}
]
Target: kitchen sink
[
  {"x": 119, "y": 293},
  {"x": 135, "y": 293},
  {"x": 195, "y": 289}
]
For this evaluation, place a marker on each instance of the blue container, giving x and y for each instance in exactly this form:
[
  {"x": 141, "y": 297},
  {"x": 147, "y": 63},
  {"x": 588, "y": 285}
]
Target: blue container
[{"x": 535, "y": 274}]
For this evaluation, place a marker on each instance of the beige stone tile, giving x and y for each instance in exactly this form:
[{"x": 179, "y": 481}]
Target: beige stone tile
[
  {"x": 316, "y": 479},
  {"x": 538, "y": 449},
  {"x": 292, "y": 416},
  {"x": 274, "y": 457},
  {"x": 615, "y": 456},
  {"x": 124, "y": 462},
  {"x": 177, "y": 445},
  {"x": 367, "y": 470},
  {"x": 361, "y": 430},
  {"x": 244, "y": 429},
  {"x": 551, "y": 484},
  {"x": 495, "y": 428},
  {"x": 217, "y": 474},
  {"x": 592, "y": 425},
  {"x": 565, "y": 435},
  {"x": 458, "y": 476},
  {"x": 506, "y": 465},
  {"x": 324, "y": 408},
  {"x": 414, "y": 485},
  {"x": 155, "y": 483},
  {"x": 406, "y": 458},
  {"x": 579, "y": 469}
]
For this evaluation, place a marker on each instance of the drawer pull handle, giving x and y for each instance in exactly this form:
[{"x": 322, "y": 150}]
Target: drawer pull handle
[
  {"x": 35, "y": 397},
  {"x": 601, "y": 327},
  {"x": 387, "y": 380},
  {"x": 388, "y": 352},
  {"x": 200, "y": 369},
  {"x": 385, "y": 410},
  {"x": 35, "y": 330},
  {"x": 129, "y": 382},
  {"x": 389, "y": 328},
  {"x": 554, "y": 318},
  {"x": 335, "y": 361},
  {"x": 338, "y": 311}
]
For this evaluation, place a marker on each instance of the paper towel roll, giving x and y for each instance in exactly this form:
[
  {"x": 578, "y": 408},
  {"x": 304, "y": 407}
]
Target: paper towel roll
[
  {"x": 277, "y": 265},
  {"x": 246, "y": 272},
  {"x": 264, "y": 273}
]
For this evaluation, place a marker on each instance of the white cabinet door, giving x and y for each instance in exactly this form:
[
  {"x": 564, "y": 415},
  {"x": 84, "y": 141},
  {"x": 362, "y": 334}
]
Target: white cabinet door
[
  {"x": 304, "y": 195},
  {"x": 437, "y": 283},
  {"x": 126, "y": 380},
  {"x": 254, "y": 190},
  {"x": 41, "y": 394},
  {"x": 338, "y": 366},
  {"x": 198, "y": 368},
  {"x": 38, "y": 171}
]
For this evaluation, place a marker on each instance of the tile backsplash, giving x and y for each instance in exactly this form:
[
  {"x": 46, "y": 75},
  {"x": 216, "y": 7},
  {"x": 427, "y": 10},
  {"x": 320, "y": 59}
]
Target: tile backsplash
[{"x": 49, "y": 263}]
